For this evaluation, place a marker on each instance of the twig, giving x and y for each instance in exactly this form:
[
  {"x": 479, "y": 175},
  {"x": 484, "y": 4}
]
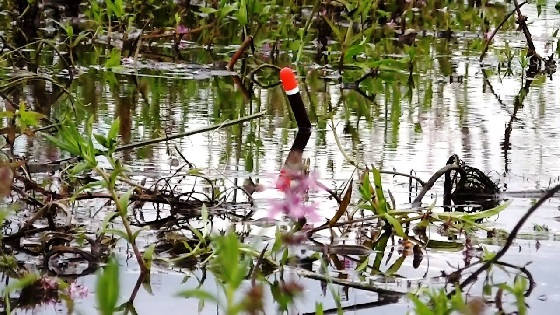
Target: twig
[
  {"x": 175, "y": 136},
  {"x": 420, "y": 181},
  {"x": 489, "y": 40},
  {"x": 430, "y": 183},
  {"x": 239, "y": 52},
  {"x": 521, "y": 20},
  {"x": 351, "y": 284},
  {"x": 523, "y": 270},
  {"x": 511, "y": 237},
  {"x": 251, "y": 76},
  {"x": 190, "y": 132},
  {"x": 255, "y": 269}
]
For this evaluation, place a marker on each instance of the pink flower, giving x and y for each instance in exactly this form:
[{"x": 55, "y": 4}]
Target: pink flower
[
  {"x": 77, "y": 291},
  {"x": 295, "y": 186},
  {"x": 48, "y": 283},
  {"x": 182, "y": 29},
  {"x": 488, "y": 35}
]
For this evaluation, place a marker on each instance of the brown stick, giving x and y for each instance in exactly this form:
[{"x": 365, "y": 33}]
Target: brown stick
[
  {"x": 521, "y": 20},
  {"x": 343, "y": 282},
  {"x": 510, "y": 239},
  {"x": 430, "y": 183},
  {"x": 190, "y": 133},
  {"x": 498, "y": 27},
  {"x": 239, "y": 52}
]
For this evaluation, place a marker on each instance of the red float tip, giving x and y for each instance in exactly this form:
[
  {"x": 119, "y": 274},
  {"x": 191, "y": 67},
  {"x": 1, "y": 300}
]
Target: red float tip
[{"x": 289, "y": 81}]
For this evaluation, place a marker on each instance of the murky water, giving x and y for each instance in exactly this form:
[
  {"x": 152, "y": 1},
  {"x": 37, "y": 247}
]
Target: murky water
[{"x": 468, "y": 114}]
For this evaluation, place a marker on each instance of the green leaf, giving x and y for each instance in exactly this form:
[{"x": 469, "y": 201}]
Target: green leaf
[
  {"x": 381, "y": 204},
  {"x": 114, "y": 131},
  {"x": 119, "y": 8},
  {"x": 363, "y": 265},
  {"x": 419, "y": 307},
  {"x": 25, "y": 119},
  {"x": 242, "y": 13},
  {"x": 20, "y": 283},
  {"x": 199, "y": 294},
  {"x": 107, "y": 288},
  {"x": 396, "y": 225},
  {"x": 444, "y": 245},
  {"x": 80, "y": 167},
  {"x": 149, "y": 255},
  {"x": 319, "y": 308},
  {"x": 102, "y": 140},
  {"x": 395, "y": 266},
  {"x": 120, "y": 233},
  {"x": 335, "y": 29},
  {"x": 123, "y": 202},
  {"x": 227, "y": 252},
  {"x": 6, "y": 114},
  {"x": 208, "y": 10},
  {"x": 471, "y": 217},
  {"x": 487, "y": 213},
  {"x": 114, "y": 59},
  {"x": 365, "y": 188}
]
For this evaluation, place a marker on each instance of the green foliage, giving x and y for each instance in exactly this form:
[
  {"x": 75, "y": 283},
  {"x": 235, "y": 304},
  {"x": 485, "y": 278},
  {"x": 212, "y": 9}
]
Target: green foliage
[
  {"x": 107, "y": 287},
  {"x": 230, "y": 275},
  {"x": 373, "y": 198},
  {"x": 114, "y": 58},
  {"x": 435, "y": 302},
  {"x": 17, "y": 285},
  {"x": 70, "y": 139},
  {"x": 518, "y": 291}
]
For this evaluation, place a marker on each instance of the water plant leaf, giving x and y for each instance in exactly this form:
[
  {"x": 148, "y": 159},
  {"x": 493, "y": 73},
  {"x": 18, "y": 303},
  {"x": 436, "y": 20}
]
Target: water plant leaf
[
  {"x": 365, "y": 188},
  {"x": 475, "y": 216},
  {"x": 227, "y": 251},
  {"x": 123, "y": 201},
  {"x": 114, "y": 59},
  {"x": 242, "y": 13},
  {"x": 420, "y": 308},
  {"x": 487, "y": 213},
  {"x": 444, "y": 245},
  {"x": 379, "y": 247},
  {"x": 343, "y": 206},
  {"x": 107, "y": 288},
  {"x": 363, "y": 265},
  {"x": 381, "y": 203},
  {"x": 25, "y": 118},
  {"x": 149, "y": 255},
  {"x": 199, "y": 294},
  {"x": 396, "y": 225},
  {"x": 395, "y": 266},
  {"x": 120, "y": 233}
]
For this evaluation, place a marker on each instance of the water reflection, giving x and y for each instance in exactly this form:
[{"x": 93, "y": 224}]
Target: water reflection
[{"x": 494, "y": 122}]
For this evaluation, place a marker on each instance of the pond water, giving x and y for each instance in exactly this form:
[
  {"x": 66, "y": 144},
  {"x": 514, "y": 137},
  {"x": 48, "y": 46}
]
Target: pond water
[{"x": 456, "y": 108}]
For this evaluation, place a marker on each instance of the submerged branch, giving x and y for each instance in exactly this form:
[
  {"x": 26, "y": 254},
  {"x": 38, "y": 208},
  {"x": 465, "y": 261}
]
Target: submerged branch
[
  {"x": 489, "y": 40},
  {"x": 430, "y": 183},
  {"x": 511, "y": 237},
  {"x": 351, "y": 284},
  {"x": 190, "y": 132}
]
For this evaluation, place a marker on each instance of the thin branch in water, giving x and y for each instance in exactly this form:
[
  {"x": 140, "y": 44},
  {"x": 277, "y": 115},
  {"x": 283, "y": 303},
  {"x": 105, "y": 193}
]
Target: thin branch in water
[
  {"x": 511, "y": 237},
  {"x": 489, "y": 40},
  {"x": 239, "y": 52},
  {"x": 430, "y": 183}
]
